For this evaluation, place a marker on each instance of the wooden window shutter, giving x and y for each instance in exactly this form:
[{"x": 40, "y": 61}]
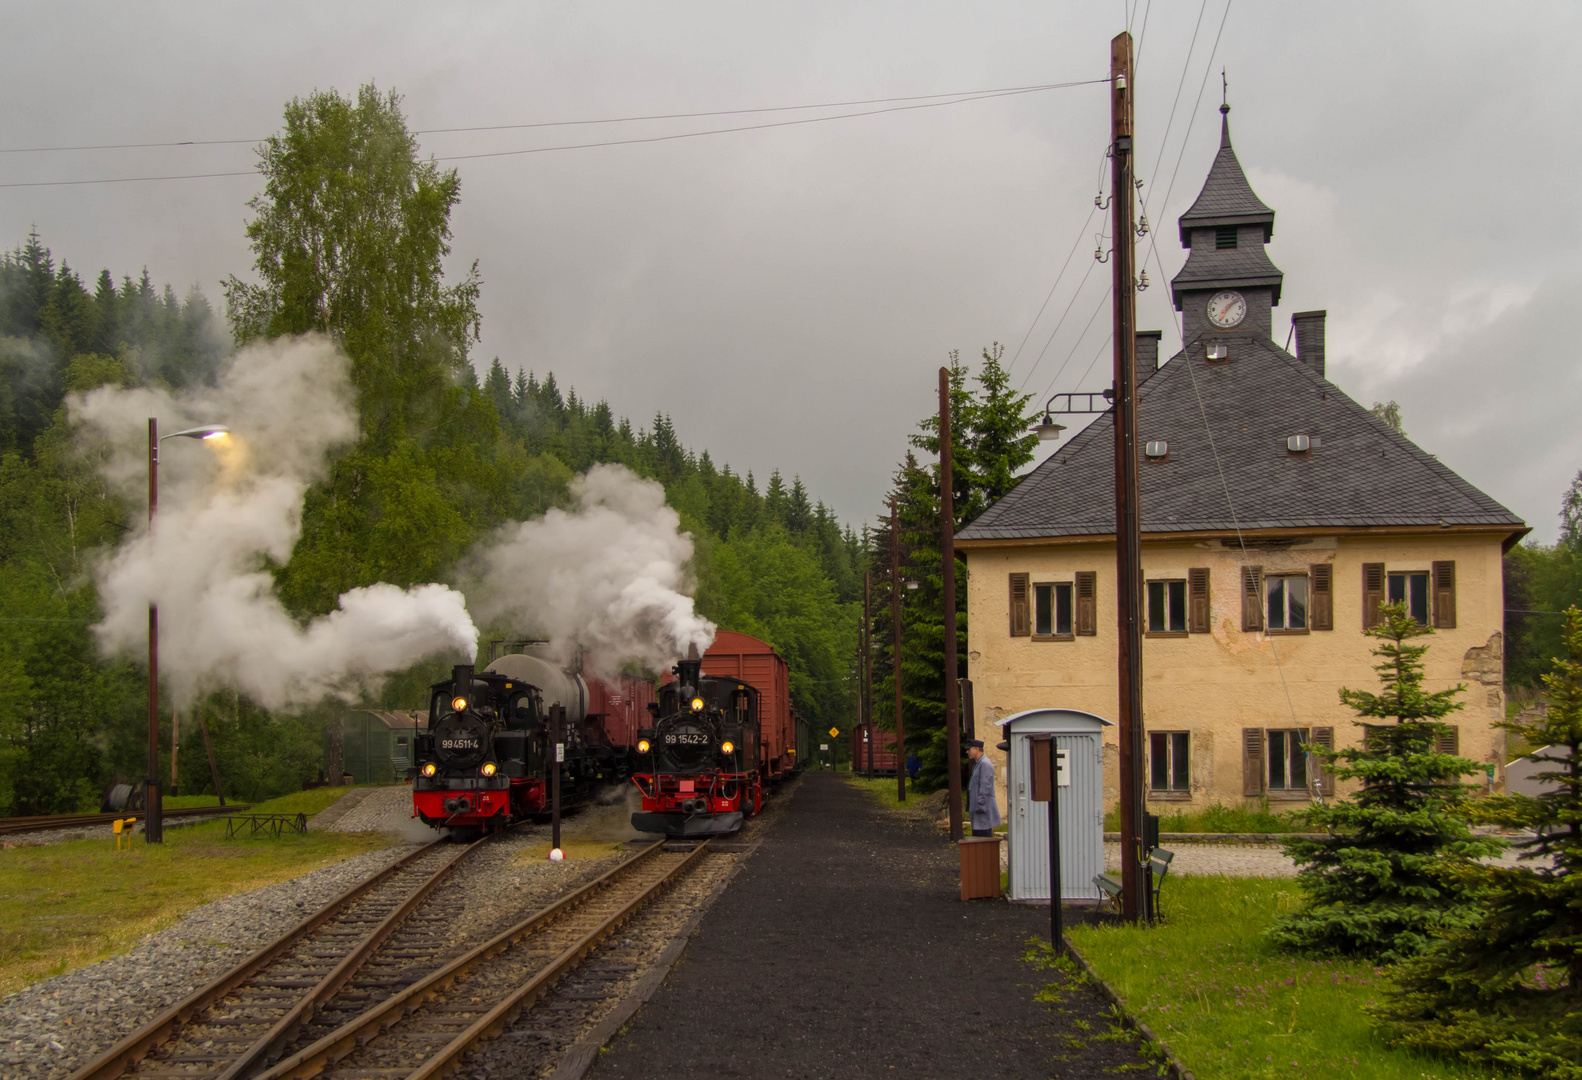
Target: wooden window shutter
[
  {"x": 1372, "y": 593},
  {"x": 1021, "y": 616},
  {"x": 1323, "y": 779},
  {"x": 1087, "y": 603},
  {"x": 1197, "y": 600},
  {"x": 1449, "y": 742},
  {"x": 1252, "y": 761},
  {"x": 1252, "y": 598},
  {"x": 1445, "y": 595},
  {"x": 1321, "y": 600}
]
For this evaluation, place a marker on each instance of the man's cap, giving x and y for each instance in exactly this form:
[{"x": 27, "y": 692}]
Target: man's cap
[{"x": 975, "y": 742}]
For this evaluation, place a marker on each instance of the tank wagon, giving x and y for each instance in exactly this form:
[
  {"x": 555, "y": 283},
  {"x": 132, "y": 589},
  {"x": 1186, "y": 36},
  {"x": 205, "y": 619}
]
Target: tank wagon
[{"x": 484, "y": 761}]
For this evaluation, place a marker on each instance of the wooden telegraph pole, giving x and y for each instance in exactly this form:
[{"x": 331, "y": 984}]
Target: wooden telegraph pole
[
  {"x": 1128, "y": 532},
  {"x": 867, "y": 667},
  {"x": 895, "y": 651},
  {"x": 947, "y": 551}
]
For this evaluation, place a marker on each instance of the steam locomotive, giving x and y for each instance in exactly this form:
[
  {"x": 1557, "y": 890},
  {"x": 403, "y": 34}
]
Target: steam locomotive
[
  {"x": 484, "y": 761},
  {"x": 699, "y": 766}
]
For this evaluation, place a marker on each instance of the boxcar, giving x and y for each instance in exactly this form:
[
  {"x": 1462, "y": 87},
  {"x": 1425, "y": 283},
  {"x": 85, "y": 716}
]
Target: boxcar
[{"x": 884, "y": 756}]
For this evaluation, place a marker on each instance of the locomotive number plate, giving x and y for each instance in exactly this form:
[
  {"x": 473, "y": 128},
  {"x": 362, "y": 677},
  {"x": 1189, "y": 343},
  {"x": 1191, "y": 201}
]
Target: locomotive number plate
[
  {"x": 686, "y": 738},
  {"x": 458, "y": 744}
]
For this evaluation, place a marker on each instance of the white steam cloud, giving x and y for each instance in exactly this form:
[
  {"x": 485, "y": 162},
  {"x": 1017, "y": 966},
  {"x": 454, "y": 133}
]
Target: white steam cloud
[
  {"x": 228, "y": 506},
  {"x": 609, "y": 576}
]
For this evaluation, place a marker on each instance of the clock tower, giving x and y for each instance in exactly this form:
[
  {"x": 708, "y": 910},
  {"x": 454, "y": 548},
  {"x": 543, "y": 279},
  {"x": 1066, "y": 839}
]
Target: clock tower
[{"x": 1228, "y": 285}]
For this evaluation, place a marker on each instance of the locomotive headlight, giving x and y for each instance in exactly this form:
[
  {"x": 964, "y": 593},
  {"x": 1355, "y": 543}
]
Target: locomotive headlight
[
  {"x": 697, "y": 704},
  {"x": 727, "y": 747},
  {"x": 458, "y": 703},
  {"x": 642, "y": 746},
  {"x": 430, "y": 769},
  {"x": 488, "y": 768}
]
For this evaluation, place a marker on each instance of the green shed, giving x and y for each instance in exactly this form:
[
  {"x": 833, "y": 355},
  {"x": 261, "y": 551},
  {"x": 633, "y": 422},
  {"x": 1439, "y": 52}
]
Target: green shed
[{"x": 378, "y": 744}]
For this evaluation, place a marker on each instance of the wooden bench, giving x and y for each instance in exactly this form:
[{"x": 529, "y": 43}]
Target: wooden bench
[{"x": 1109, "y": 885}]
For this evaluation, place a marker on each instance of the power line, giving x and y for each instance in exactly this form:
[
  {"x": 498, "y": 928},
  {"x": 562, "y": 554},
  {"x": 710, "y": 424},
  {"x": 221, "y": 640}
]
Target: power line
[
  {"x": 1051, "y": 294},
  {"x": 1108, "y": 289},
  {"x": 555, "y": 123},
  {"x": 955, "y": 100}
]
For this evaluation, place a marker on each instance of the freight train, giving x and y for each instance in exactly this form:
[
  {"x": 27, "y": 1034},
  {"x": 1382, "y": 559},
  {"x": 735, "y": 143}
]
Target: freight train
[
  {"x": 483, "y": 763},
  {"x": 723, "y": 731}
]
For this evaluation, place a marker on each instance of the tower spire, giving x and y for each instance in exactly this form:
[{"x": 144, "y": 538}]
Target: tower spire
[{"x": 1224, "y": 111}]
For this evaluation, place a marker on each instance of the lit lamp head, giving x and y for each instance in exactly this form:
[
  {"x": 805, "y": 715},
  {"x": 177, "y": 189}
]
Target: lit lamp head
[
  {"x": 1047, "y": 429},
  {"x": 202, "y": 431}
]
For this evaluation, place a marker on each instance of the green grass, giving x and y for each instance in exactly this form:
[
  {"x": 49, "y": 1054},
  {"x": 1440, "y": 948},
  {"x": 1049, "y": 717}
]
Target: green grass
[
  {"x": 66, "y": 905},
  {"x": 882, "y": 790},
  {"x": 1221, "y": 819},
  {"x": 1231, "y": 1007}
]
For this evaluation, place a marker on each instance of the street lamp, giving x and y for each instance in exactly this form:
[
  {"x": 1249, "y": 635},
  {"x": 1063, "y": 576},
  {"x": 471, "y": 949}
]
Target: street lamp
[{"x": 154, "y": 811}]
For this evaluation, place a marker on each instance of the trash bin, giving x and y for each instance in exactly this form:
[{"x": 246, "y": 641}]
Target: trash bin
[{"x": 980, "y": 867}]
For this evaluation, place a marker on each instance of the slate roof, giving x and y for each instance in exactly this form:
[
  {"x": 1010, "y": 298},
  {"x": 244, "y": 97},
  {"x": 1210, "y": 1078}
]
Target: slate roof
[
  {"x": 1207, "y": 268},
  {"x": 1226, "y": 198},
  {"x": 1360, "y": 472}
]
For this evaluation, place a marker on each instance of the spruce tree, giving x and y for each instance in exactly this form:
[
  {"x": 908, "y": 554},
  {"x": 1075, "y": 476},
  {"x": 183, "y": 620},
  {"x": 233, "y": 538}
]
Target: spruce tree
[
  {"x": 1506, "y": 990},
  {"x": 1380, "y": 884}
]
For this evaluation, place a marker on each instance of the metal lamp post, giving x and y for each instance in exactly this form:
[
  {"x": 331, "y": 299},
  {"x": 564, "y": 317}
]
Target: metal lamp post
[{"x": 154, "y": 815}]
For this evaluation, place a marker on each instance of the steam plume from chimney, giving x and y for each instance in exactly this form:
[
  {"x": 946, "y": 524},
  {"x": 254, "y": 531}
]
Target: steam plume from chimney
[{"x": 608, "y": 576}]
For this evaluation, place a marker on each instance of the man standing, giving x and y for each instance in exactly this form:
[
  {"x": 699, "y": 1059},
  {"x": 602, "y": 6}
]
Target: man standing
[{"x": 981, "y": 807}]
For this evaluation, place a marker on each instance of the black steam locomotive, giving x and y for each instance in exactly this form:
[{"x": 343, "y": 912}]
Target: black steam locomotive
[
  {"x": 698, "y": 767},
  {"x": 484, "y": 761}
]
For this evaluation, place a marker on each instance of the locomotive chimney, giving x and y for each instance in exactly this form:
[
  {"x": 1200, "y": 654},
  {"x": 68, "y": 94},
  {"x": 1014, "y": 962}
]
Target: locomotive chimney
[
  {"x": 689, "y": 672},
  {"x": 461, "y": 681}
]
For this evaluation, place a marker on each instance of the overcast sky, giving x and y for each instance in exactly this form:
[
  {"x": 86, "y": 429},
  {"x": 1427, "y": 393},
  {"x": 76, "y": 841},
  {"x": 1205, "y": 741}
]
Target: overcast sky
[{"x": 787, "y": 294}]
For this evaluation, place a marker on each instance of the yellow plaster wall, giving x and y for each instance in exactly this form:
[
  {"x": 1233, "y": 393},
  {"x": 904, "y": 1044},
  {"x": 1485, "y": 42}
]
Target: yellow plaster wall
[{"x": 1218, "y": 683}]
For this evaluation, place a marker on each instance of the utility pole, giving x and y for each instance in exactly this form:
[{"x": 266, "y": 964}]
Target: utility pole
[
  {"x": 895, "y": 651},
  {"x": 153, "y": 806},
  {"x": 1128, "y": 529},
  {"x": 947, "y": 552},
  {"x": 867, "y": 667}
]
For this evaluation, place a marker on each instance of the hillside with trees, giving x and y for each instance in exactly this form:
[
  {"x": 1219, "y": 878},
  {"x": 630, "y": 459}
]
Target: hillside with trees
[{"x": 444, "y": 458}]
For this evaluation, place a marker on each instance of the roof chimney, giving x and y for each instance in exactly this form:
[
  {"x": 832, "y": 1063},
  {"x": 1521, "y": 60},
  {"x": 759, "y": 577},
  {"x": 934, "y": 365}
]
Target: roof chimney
[
  {"x": 1148, "y": 352},
  {"x": 1310, "y": 339}
]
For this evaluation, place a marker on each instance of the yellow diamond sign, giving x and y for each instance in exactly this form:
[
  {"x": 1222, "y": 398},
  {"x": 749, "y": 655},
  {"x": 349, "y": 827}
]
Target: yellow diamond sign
[{"x": 834, "y": 732}]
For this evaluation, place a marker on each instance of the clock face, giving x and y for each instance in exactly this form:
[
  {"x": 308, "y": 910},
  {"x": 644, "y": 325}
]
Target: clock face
[{"x": 1227, "y": 309}]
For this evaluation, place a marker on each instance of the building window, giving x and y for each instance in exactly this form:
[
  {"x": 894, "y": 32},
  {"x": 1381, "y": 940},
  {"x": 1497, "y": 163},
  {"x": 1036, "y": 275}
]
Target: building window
[
  {"x": 1224, "y": 237},
  {"x": 1167, "y": 607},
  {"x": 1287, "y": 602},
  {"x": 1169, "y": 761},
  {"x": 1052, "y": 610},
  {"x": 1287, "y": 761},
  {"x": 1411, "y": 588}
]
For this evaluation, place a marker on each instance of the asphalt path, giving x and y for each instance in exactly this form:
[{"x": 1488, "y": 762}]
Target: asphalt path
[{"x": 843, "y": 949}]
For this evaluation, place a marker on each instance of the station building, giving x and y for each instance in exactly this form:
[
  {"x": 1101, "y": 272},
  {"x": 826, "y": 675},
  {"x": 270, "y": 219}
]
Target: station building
[{"x": 1277, "y": 516}]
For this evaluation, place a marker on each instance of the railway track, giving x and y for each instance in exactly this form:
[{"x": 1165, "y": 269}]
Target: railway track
[
  {"x": 254, "y": 1012},
  {"x": 11, "y": 825},
  {"x": 425, "y": 1029}
]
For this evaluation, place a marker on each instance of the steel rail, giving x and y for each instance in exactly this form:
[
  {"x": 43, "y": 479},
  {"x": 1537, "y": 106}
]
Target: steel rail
[
  {"x": 125, "y": 1055},
  {"x": 312, "y": 1060},
  {"x": 39, "y": 823}
]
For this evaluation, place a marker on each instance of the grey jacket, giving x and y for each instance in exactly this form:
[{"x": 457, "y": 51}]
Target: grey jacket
[{"x": 981, "y": 807}]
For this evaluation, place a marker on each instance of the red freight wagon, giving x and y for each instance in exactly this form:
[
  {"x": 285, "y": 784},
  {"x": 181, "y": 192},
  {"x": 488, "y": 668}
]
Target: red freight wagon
[
  {"x": 754, "y": 662},
  {"x": 619, "y": 708},
  {"x": 884, "y": 757}
]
